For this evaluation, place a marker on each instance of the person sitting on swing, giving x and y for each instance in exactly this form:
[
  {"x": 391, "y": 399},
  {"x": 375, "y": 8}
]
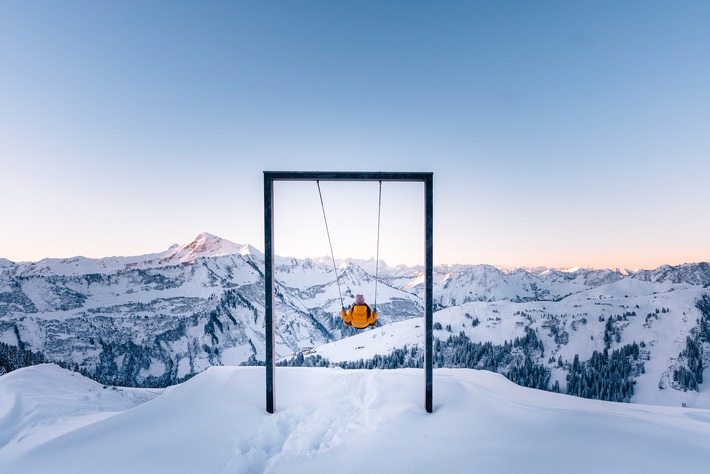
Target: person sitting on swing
[{"x": 359, "y": 315}]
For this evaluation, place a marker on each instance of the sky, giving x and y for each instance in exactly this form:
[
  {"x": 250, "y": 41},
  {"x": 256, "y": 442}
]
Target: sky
[{"x": 559, "y": 133}]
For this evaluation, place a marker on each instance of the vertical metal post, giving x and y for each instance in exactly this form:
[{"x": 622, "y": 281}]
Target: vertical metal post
[
  {"x": 269, "y": 288},
  {"x": 428, "y": 292}
]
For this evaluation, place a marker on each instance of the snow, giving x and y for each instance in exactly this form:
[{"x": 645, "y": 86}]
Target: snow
[
  {"x": 502, "y": 321},
  {"x": 205, "y": 245},
  {"x": 570, "y": 270},
  {"x": 128, "y": 301},
  {"x": 332, "y": 420},
  {"x": 303, "y": 273},
  {"x": 374, "y": 341},
  {"x": 42, "y": 402}
]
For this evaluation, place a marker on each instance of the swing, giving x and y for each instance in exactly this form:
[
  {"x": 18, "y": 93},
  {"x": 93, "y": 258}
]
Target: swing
[
  {"x": 270, "y": 177},
  {"x": 359, "y": 316}
]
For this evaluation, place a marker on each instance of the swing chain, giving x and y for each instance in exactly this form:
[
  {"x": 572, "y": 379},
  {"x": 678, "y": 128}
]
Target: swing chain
[
  {"x": 330, "y": 243},
  {"x": 377, "y": 257}
]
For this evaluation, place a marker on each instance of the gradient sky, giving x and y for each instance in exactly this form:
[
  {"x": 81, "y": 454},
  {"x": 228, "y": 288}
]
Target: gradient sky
[{"x": 559, "y": 133}]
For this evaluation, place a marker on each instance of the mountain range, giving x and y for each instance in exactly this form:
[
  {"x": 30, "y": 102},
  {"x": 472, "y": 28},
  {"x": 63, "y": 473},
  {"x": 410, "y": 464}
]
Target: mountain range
[{"x": 157, "y": 319}]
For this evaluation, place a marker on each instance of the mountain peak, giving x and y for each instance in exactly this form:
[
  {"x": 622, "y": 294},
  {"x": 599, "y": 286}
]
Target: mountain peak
[
  {"x": 206, "y": 245},
  {"x": 206, "y": 242}
]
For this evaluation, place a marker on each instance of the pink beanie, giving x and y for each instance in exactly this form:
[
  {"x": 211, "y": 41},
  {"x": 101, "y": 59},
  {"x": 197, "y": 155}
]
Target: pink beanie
[{"x": 359, "y": 299}]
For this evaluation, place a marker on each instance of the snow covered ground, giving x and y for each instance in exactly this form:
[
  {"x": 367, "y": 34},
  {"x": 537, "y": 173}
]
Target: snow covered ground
[{"x": 332, "y": 420}]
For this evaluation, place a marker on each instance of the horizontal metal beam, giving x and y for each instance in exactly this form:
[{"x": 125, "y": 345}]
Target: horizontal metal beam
[{"x": 346, "y": 176}]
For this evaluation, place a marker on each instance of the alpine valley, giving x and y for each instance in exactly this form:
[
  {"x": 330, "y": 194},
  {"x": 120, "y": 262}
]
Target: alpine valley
[{"x": 155, "y": 320}]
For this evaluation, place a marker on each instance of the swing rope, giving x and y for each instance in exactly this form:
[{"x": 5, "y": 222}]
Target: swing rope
[
  {"x": 377, "y": 258},
  {"x": 330, "y": 243}
]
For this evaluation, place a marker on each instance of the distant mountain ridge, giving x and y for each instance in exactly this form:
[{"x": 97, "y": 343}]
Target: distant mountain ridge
[{"x": 156, "y": 319}]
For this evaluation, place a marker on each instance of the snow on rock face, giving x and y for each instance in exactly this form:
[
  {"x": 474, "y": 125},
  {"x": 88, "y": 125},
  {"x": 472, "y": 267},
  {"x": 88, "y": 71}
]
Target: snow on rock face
[
  {"x": 693, "y": 273},
  {"x": 154, "y": 319},
  {"x": 205, "y": 245},
  {"x": 330, "y": 420}
]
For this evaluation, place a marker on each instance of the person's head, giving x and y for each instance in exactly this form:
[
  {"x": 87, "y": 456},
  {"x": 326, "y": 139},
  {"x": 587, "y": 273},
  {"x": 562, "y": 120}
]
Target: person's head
[{"x": 359, "y": 299}]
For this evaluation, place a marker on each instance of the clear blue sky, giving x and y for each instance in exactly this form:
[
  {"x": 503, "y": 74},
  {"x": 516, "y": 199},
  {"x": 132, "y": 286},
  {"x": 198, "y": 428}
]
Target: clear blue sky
[{"x": 560, "y": 133}]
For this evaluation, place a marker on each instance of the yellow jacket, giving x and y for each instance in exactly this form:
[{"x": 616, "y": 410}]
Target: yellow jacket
[{"x": 359, "y": 316}]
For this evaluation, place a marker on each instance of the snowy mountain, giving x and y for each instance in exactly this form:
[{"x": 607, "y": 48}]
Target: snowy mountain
[
  {"x": 326, "y": 420},
  {"x": 575, "y": 326},
  {"x": 156, "y": 319}
]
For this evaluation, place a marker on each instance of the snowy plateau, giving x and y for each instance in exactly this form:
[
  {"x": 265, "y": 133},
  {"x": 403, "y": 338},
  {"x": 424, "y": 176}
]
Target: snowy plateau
[{"x": 188, "y": 317}]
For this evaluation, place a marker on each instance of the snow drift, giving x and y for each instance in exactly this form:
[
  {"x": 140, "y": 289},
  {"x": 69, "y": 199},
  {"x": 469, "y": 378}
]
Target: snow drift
[{"x": 331, "y": 420}]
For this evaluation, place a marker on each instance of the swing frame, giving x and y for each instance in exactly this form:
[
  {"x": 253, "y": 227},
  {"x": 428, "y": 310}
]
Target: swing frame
[{"x": 269, "y": 284}]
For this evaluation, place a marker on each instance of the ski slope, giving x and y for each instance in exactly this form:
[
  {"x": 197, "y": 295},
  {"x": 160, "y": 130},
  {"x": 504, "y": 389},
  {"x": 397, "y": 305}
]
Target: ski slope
[{"x": 332, "y": 420}]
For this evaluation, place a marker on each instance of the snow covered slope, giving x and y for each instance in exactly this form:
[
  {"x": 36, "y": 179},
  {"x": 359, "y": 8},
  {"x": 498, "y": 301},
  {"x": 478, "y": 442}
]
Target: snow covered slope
[
  {"x": 330, "y": 420},
  {"x": 658, "y": 320}
]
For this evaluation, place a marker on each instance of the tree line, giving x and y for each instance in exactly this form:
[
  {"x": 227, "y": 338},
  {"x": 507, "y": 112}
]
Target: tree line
[
  {"x": 690, "y": 375},
  {"x": 17, "y": 357},
  {"x": 605, "y": 376}
]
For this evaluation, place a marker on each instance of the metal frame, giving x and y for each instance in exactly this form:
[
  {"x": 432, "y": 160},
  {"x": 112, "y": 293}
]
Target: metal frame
[{"x": 269, "y": 178}]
